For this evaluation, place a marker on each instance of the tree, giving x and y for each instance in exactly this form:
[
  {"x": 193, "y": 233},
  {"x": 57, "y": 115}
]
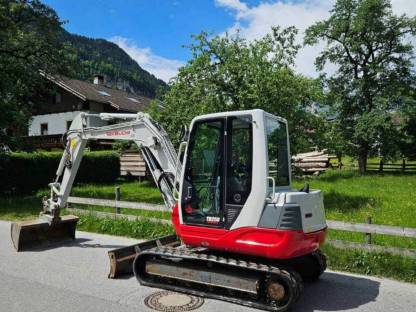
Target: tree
[
  {"x": 368, "y": 43},
  {"x": 229, "y": 73},
  {"x": 408, "y": 121},
  {"x": 28, "y": 43}
]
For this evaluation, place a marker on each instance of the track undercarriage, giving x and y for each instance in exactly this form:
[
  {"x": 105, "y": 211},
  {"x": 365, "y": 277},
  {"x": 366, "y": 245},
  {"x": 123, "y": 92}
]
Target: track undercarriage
[{"x": 260, "y": 283}]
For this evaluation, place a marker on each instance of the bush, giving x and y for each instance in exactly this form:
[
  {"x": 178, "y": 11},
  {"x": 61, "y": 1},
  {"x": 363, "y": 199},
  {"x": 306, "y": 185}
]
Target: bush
[{"x": 28, "y": 172}]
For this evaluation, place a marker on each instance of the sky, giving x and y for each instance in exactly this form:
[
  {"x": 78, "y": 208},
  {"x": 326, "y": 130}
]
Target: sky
[{"x": 155, "y": 33}]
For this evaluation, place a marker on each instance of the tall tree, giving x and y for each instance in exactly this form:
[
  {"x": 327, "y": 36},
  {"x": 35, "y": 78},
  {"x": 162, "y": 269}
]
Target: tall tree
[
  {"x": 370, "y": 46},
  {"x": 230, "y": 73},
  {"x": 28, "y": 43}
]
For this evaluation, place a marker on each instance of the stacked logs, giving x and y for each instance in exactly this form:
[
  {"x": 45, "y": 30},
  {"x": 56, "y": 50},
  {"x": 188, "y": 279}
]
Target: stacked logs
[
  {"x": 132, "y": 164},
  {"x": 312, "y": 162}
]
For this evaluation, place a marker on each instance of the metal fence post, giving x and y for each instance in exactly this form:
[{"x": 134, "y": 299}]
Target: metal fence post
[
  {"x": 117, "y": 194},
  {"x": 368, "y": 235}
]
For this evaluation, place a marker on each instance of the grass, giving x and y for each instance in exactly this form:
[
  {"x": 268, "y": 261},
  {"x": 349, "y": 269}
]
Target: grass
[
  {"x": 19, "y": 208},
  {"x": 134, "y": 212},
  {"x": 379, "y": 264},
  {"x": 388, "y": 198},
  {"x": 122, "y": 227},
  {"x": 377, "y": 239},
  {"x": 130, "y": 191}
]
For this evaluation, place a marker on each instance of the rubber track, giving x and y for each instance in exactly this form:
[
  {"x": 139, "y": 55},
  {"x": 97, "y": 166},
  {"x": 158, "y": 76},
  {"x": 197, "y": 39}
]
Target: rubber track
[{"x": 182, "y": 252}]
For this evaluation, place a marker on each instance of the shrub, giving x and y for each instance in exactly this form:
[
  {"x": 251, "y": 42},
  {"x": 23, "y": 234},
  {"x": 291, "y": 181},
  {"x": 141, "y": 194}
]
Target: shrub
[{"x": 28, "y": 172}]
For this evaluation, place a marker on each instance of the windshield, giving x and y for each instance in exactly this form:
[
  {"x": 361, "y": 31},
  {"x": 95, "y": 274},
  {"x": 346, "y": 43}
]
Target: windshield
[{"x": 277, "y": 148}]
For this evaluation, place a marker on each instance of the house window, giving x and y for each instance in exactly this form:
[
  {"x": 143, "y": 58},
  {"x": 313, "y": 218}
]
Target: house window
[
  {"x": 58, "y": 98},
  {"x": 68, "y": 124},
  {"x": 44, "y": 129}
]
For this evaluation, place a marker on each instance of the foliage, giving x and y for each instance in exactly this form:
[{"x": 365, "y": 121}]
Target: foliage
[
  {"x": 28, "y": 172},
  {"x": 368, "y": 43},
  {"x": 99, "y": 56},
  {"x": 408, "y": 142},
  {"x": 369, "y": 263},
  {"x": 122, "y": 227},
  {"x": 229, "y": 73},
  {"x": 28, "y": 42}
]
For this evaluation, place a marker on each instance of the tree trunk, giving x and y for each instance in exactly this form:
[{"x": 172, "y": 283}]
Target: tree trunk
[{"x": 362, "y": 158}]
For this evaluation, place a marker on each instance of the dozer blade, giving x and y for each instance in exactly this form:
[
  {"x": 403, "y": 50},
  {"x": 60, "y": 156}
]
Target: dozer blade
[
  {"x": 121, "y": 259},
  {"x": 28, "y": 234}
]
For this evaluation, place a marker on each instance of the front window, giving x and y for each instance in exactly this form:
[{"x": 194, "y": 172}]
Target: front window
[
  {"x": 239, "y": 159},
  {"x": 44, "y": 129},
  {"x": 203, "y": 183},
  {"x": 277, "y": 148}
]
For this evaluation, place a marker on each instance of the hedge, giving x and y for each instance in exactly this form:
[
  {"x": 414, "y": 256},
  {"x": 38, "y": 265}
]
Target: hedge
[{"x": 23, "y": 173}]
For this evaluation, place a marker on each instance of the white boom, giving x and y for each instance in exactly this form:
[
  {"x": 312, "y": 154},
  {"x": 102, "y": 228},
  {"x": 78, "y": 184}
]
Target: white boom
[{"x": 152, "y": 139}]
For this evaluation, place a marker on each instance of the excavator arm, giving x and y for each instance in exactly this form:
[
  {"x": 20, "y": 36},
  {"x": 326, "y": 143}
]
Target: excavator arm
[
  {"x": 158, "y": 153},
  {"x": 150, "y": 137}
]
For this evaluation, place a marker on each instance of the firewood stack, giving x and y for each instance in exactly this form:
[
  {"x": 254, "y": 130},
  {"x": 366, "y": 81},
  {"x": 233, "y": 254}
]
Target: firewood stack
[{"x": 313, "y": 162}]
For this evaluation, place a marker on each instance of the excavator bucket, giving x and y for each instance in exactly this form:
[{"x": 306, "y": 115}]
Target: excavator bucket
[
  {"x": 121, "y": 259},
  {"x": 29, "y": 234}
]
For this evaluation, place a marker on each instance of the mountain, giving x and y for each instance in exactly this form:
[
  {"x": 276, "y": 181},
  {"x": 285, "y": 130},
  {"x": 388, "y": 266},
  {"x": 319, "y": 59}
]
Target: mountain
[{"x": 99, "y": 56}]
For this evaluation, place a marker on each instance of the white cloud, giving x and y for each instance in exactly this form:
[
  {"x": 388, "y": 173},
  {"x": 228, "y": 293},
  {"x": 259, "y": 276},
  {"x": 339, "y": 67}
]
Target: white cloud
[
  {"x": 232, "y": 4},
  {"x": 256, "y": 21},
  {"x": 407, "y": 7},
  {"x": 159, "y": 66}
]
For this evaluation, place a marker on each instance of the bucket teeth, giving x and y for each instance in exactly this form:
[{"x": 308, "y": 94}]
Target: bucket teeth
[{"x": 28, "y": 234}]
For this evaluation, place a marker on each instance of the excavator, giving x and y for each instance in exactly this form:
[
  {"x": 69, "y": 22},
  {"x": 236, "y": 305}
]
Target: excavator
[{"x": 242, "y": 234}]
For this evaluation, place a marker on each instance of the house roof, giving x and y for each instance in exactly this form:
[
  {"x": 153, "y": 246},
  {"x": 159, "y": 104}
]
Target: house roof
[{"x": 87, "y": 91}]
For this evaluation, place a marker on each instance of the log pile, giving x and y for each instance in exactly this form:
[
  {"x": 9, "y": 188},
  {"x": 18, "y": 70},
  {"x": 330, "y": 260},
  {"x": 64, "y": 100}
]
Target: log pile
[
  {"x": 312, "y": 162},
  {"x": 132, "y": 164}
]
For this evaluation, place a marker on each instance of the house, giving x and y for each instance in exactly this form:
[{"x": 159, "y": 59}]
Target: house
[{"x": 54, "y": 115}]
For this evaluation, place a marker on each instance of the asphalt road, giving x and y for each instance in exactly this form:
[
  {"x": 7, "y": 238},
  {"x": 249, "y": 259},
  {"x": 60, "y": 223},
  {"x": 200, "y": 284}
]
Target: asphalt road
[{"x": 73, "y": 277}]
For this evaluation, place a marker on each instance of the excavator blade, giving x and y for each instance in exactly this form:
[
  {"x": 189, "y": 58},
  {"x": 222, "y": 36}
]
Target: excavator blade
[
  {"x": 121, "y": 259},
  {"x": 29, "y": 234}
]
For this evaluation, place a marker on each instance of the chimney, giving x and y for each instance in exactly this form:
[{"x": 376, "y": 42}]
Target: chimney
[{"x": 99, "y": 79}]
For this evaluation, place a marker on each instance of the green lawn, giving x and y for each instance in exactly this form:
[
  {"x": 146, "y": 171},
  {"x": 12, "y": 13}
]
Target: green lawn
[
  {"x": 389, "y": 199},
  {"x": 19, "y": 208},
  {"x": 130, "y": 191},
  {"x": 133, "y": 212}
]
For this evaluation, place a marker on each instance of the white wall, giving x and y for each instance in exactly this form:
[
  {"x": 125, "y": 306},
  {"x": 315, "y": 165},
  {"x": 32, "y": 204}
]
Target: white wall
[{"x": 57, "y": 122}]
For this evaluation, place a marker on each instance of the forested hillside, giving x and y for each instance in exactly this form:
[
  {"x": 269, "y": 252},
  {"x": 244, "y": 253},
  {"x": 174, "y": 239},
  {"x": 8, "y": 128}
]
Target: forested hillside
[{"x": 99, "y": 56}]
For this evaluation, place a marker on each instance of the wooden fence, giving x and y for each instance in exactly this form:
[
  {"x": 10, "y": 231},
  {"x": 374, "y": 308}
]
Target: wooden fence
[
  {"x": 381, "y": 166},
  {"x": 367, "y": 229}
]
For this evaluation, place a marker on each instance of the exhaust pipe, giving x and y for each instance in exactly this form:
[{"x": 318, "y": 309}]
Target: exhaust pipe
[{"x": 29, "y": 234}]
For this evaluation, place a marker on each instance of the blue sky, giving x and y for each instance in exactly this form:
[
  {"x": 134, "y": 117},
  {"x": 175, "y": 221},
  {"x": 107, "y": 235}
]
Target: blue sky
[{"x": 153, "y": 31}]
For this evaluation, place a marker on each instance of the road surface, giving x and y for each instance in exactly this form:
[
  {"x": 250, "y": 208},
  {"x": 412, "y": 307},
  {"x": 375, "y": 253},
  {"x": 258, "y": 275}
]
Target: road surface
[{"x": 73, "y": 278}]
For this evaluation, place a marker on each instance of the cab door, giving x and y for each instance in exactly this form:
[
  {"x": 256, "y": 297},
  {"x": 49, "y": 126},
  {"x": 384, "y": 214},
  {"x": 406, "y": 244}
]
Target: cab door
[
  {"x": 239, "y": 150},
  {"x": 218, "y": 171},
  {"x": 202, "y": 198}
]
